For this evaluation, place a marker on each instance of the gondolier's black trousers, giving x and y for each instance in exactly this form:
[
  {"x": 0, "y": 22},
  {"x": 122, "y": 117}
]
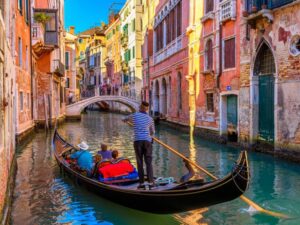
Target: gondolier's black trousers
[{"x": 143, "y": 150}]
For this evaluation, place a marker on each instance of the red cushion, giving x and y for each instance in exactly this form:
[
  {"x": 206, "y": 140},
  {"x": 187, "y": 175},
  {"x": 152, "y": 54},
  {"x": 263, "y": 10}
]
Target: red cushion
[{"x": 116, "y": 170}]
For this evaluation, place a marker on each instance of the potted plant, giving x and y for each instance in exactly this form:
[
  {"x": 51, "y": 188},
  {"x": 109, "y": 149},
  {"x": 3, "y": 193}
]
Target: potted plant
[{"x": 42, "y": 18}]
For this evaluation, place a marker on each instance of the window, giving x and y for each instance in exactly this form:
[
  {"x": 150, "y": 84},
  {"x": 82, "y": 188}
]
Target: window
[
  {"x": 179, "y": 19},
  {"x": 28, "y": 100},
  {"x": 133, "y": 52},
  {"x": 68, "y": 83},
  {"x": 51, "y": 24},
  {"x": 20, "y": 52},
  {"x": 210, "y": 102},
  {"x": 20, "y": 6},
  {"x": 179, "y": 94},
  {"x": 27, "y": 59},
  {"x": 208, "y": 55},
  {"x": 80, "y": 40},
  {"x": 67, "y": 60},
  {"x": 26, "y": 11},
  {"x": 229, "y": 53},
  {"x": 133, "y": 25},
  {"x": 34, "y": 32},
  {"x": 209, "y": 6},
  {"x": 21, "y": 101}
]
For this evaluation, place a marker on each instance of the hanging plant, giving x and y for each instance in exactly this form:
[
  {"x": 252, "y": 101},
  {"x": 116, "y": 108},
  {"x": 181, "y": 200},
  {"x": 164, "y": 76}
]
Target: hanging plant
[{"x": 42, "y": 18}]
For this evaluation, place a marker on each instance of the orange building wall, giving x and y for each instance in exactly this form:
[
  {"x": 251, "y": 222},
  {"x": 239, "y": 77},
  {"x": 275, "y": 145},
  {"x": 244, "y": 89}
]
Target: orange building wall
[{"x": 23, "y": 73}]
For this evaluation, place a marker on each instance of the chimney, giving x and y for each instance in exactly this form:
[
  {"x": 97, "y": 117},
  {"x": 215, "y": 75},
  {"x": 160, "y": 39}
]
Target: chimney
[{"x": 72, "y": 30}]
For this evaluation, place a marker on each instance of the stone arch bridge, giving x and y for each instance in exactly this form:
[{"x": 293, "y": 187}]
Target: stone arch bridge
[{"x": 74, "y": 110}]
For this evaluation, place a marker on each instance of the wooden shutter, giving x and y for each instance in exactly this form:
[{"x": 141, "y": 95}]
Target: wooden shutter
[{"x": 229, "y": 53}]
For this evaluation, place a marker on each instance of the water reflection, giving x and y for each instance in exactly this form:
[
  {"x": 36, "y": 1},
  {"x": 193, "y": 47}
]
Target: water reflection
[{"x": 44, "y": 196}]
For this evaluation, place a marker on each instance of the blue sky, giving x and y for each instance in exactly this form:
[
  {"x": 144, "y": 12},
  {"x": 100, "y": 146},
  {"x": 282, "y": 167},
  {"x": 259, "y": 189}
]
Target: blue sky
[{"x": 84, "y": 14}]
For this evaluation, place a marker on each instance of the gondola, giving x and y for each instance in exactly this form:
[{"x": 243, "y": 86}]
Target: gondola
[{"x": 171, "y": 198}]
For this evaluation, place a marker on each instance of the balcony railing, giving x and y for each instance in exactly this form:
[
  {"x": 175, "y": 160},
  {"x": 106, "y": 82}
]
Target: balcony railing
[
  {"x": 227, "y": 10},
  {"x": 58, "y": 68},
  {"x": 169, "y": 50},
  {"x": 257, "y": 5}
]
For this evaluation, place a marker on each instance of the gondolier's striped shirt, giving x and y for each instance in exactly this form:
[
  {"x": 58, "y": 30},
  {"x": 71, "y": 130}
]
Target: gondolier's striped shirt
[{"x": 143, "y": 126}]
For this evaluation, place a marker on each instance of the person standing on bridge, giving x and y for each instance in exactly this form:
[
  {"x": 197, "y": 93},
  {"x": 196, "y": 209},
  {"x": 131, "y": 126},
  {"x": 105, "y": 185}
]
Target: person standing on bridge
[{"x": 143, "y": 126}]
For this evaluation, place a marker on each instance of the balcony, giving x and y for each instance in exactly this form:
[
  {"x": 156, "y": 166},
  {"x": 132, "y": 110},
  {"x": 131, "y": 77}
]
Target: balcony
[
  {"x": 227, "y": 10},
  {"x": 169, "y": 50},
  {"x": 58, "y": 68},
  {"x": 256, "y": 9},
  {"x": 45, "y": 27}
]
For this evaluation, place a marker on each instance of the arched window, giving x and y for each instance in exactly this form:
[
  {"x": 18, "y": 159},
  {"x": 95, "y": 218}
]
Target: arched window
[
  {"x": 209, "y": 6},
  {"x": 209, "y": 55},
  {"x": 265, "y": 62}
]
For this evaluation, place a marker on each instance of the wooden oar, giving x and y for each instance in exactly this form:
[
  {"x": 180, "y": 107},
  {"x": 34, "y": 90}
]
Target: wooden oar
[{"x": 244, "y": 198}]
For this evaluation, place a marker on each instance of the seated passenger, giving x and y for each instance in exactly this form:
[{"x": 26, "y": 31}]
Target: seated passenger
[
  {"x": 106, "y": 154},
  {"x": 115, "y": 155},
  {"x": 84, "y": 158},
  {"x": 97, "y": 161}
]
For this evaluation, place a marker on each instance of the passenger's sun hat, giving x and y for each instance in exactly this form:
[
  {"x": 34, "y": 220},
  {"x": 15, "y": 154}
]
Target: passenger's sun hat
[{"x": 83, "y": 146}]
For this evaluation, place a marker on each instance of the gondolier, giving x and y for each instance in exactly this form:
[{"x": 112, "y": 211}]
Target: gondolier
[{"x": 143, "y": 126}]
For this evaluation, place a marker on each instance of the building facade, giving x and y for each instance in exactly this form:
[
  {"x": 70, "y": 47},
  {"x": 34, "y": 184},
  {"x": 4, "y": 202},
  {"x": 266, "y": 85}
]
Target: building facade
[
  {"x": 168, "y": 67},
  {"x": 217, "y": 100},
  {"x": 72, "y": 78},
  {"x": 48, "y": 61},
  {"x": 23, "y": 68},
  {"x": 269, "y": 94},
  {"x": 131, "y": 41},
  {"x": 113, "y": 56},
  {"x": 8, "y": 107}
]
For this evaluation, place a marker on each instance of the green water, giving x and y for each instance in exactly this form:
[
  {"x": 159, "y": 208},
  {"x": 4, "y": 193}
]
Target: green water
[{"x": 44, "y": 196}]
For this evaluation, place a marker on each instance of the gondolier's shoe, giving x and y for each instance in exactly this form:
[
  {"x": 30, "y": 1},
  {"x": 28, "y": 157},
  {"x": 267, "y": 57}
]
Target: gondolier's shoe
[{"x": 141, "y": 187}]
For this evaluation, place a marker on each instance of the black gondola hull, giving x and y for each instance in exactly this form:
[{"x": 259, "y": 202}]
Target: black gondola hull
[{"x": 180, "y": 199}]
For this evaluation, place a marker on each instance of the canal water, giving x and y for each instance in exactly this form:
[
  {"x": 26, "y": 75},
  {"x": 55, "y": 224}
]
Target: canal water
[{"x": 44, "y": 196}]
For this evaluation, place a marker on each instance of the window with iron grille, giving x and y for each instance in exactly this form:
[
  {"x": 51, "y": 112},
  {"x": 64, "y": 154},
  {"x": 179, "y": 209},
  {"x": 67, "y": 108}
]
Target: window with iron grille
[
  {"x": 209, "y": 6},
  {"x": 227, "y": 9},
  {"x": 210, "y": 102},
  {"x": 229, "y": 53},
  {"x": 264, "y": 63}
]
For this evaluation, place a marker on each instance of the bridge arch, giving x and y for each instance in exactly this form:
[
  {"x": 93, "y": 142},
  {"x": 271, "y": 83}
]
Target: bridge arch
[{"x": 75, "y": 109}]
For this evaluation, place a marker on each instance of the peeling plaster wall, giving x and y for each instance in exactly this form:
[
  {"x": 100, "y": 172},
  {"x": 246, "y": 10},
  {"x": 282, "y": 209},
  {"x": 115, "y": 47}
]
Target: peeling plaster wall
[{"x": 277, "y": 35}]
